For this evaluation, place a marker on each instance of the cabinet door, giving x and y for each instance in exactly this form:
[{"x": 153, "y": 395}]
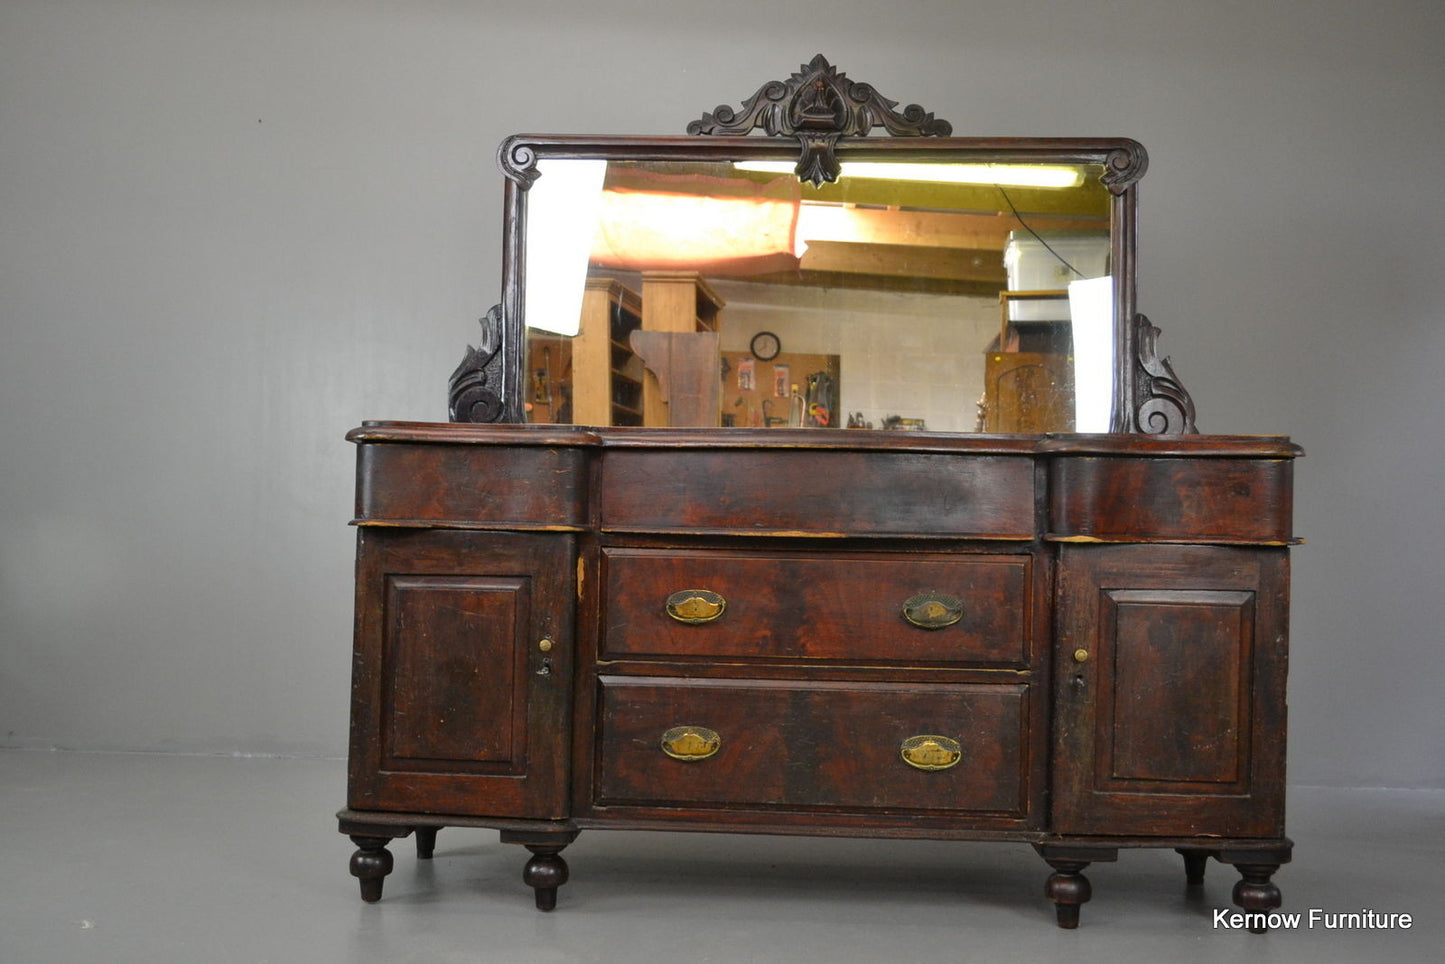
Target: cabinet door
[
  {"x": 1170, "y": 683},
  {"x": 458, "y": 706}
]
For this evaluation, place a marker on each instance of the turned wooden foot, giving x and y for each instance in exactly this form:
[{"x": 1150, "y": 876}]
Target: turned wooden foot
[
  {"x": 426, "y": 842},
  {"x": 1068, "y": 888},
  {"x": 1256, "y": 894},
  {"x": 544, "y": 873},
  {"x": 370, "y": 865},
  {"x": 1194, "y": 863}
]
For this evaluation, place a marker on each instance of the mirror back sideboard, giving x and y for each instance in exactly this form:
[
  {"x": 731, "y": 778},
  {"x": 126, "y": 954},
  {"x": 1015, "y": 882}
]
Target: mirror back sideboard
[{"x": 1076, "y": 641}]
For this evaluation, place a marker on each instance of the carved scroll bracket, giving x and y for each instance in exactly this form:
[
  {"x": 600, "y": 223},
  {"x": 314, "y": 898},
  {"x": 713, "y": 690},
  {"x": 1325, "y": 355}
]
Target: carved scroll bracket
[
  {"x": 1162, "y": 406},
  {"x": 475, "y": 388},
  {"x": 819, "y": 105}
]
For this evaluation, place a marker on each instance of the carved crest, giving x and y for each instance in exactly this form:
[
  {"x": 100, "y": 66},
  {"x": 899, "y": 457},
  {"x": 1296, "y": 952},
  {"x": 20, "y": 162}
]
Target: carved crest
[
  {"x": 475, "y": 388},
  {"x": 1162, "y": 406},
  {"x": 818, "y": 105}
]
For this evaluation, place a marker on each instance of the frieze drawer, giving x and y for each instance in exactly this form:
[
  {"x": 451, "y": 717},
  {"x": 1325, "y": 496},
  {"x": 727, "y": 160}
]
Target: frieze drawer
[
  {"x": 877, "y": 608},
  {"x": 772, "y": 744},
  {"x": 797, "y": 491}
]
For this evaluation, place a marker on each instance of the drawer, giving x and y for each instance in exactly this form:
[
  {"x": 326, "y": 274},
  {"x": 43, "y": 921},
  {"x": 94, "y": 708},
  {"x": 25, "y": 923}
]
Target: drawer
[
  {"x": 797, "y": 491},
  {"x": 790, "y": 745},
  {"x": 817, "y": 606},
  {"x": 1177, "y": 499},
  {"x": 524, "y": 486}
]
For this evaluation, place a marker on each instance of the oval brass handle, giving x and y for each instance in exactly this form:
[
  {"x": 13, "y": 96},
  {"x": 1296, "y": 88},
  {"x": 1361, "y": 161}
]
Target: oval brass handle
[
  {"x": 690, "y": 743},
  {"x": 695, "y": 606},
  {"x": 932, "y": 610},
  {"x": 931, "y": 752}
]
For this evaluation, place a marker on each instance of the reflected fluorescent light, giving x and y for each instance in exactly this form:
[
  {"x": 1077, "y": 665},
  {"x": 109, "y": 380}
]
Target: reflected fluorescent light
[
  {"x": 1006, "y": 175},
  {"x": 562, "y": 210}
]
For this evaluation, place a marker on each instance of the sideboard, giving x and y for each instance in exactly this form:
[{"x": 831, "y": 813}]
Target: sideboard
[{"x": 1077, "y": 642}]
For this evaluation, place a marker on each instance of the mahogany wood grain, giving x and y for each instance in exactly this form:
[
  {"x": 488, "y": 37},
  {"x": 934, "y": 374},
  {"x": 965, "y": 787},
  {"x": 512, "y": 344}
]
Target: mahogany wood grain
[
  {"x": 454, "y": 708},
  {"x": 471, "y": 485},
  {"x": 813, "y": 745},
  {"x": 814, "y": 607},
  {"x": 1110, "y": 683},
  {"x": 1191, "y": 500},
  {"x": 817, "y": 492},
  {"x": 1175, "y": 721}
]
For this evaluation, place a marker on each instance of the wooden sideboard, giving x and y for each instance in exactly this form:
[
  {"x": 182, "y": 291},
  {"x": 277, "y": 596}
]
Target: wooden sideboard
[{"x": 1075, "y": 642}]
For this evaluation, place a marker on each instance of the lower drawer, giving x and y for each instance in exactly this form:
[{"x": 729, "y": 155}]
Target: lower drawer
[{"x": 818, "y": 745}]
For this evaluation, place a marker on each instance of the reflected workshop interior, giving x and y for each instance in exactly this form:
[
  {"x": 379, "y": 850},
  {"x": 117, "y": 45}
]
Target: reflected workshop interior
[{"x": 912, "y": 296}]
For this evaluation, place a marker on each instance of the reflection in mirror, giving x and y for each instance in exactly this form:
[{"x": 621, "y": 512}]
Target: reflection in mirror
[{"x": 948, "y": 297}]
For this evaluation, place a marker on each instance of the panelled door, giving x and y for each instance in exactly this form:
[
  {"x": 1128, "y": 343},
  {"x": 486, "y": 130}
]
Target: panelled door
[
  {"x": 1170, "y": 677},
  {"x": 462, "y": 673}
]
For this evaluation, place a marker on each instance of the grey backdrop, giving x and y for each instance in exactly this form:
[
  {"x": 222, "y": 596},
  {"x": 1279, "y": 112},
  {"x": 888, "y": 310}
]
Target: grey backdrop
[{"x": 229, "y": 232}]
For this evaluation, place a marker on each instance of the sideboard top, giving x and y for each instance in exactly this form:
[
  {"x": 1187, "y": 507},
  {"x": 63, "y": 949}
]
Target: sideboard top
[{"x": 1115, "y": 445}]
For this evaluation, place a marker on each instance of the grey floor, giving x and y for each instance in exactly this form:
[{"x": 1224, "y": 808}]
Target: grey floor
[{"x": 157, "y": 858}]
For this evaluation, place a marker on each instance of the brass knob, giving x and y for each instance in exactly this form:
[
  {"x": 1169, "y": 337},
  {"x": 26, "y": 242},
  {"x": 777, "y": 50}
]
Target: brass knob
[
  {"x": 546, "y": 645},
  {"x": 690, "y": 743},
  {"x": 1081, "y": 655},
  {"x": 695, "y": 606},
  {"x": 931, "y": 752}
]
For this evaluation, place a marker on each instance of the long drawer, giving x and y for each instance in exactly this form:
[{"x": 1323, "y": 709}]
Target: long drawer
[
  {"x": 819, "y": 493},
  {"x": 914, "y": 608},
  {"x": 801, "y": 746}
]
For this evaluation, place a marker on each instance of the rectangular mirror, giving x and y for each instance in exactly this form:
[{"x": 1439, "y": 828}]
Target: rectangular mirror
[{"x": 947, "y": 284}]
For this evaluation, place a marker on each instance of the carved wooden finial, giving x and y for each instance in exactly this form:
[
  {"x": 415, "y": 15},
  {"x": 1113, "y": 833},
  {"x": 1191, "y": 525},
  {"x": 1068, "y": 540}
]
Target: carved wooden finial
[{"x": 818, "y": 105}]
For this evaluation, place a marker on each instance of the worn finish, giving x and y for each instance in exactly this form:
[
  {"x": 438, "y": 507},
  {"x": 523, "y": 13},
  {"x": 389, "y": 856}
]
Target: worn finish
[
  {"x": 855, "y": 493},
  {"x": 1176, "y": 721},
  {"x": 1074, "y": 641},
  {"x": 454, "y": 708},
  {"x": 813, "y": 745},
  {"x": 814, "y": 606},
  {"x": 1171, "y": 499},
  {"x": 510, "y": 486}
]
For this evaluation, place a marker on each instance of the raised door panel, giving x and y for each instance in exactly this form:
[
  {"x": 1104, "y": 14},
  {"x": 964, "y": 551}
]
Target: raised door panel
[
  {"x": 456, "y": 706},
  {"x": 1170, "y": 683}
]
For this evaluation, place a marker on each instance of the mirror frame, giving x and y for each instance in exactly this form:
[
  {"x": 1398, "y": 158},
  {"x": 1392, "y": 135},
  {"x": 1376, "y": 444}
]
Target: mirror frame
[{"x": 820, "y": 118}]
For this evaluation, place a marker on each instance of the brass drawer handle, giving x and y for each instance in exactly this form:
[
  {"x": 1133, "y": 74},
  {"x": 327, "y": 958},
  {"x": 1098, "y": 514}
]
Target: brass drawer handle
[
  {"x": 931, "y": 752},
  {"x": 695, "y": 606},
  {"x": 690, "y": 743},
  {"x": 932, "y": 610}
]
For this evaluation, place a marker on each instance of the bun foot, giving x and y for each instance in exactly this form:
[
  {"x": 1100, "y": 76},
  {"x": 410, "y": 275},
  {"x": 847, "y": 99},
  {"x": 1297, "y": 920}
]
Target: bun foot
[
  {"x": 544, "y": 873},
  {"x": 1257, "y": 894},
  {"x": 370, "y": 865},
  {"x": 1068, "y": 888}
]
